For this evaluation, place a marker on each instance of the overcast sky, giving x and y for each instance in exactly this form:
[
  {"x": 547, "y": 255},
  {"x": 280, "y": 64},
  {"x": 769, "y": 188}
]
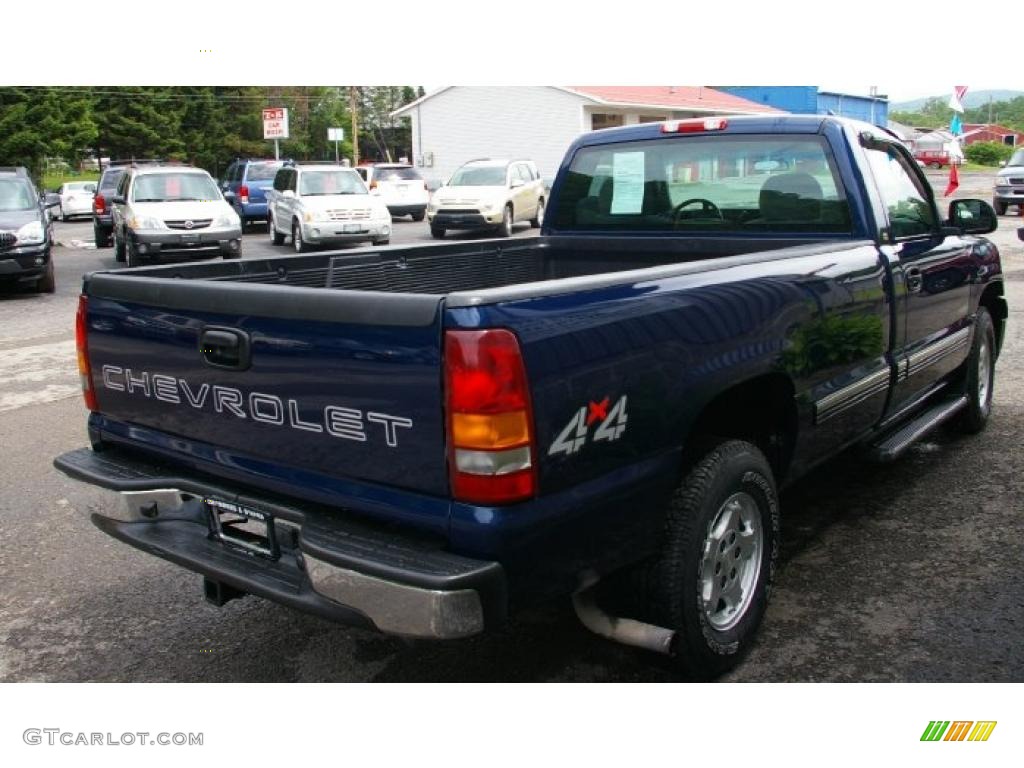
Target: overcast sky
[{"x": 843, "y": 47}]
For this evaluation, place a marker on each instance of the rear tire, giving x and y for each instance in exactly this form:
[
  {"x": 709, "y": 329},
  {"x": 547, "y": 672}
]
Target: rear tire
[
  {"x": 102, "y": 239},
  {"x": 384, "y": 241},
  {"x": 437, "y": 232},
  {"x": 119, "y": 254},
  {"x": 419, "y": 215},
  {"x": 980, "y": 376},
  {"x": 1000, "y": 208},
  {"x": 48, "y": 282},
  {"x": 714, "y": 575}
]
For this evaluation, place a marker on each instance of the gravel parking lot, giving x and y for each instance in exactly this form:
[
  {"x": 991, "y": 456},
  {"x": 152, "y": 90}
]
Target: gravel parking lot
[{"x": 905, "y": 572}]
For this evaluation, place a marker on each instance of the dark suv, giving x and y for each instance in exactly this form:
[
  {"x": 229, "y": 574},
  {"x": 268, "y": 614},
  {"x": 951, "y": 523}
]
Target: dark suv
[
  {"x": 102, "y": 223},
  {"x": 25, "y": 232},
  {"x": 245, "y": 184}
]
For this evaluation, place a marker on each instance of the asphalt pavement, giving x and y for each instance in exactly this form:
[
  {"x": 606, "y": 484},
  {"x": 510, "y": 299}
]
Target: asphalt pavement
[{"x": 905, "y": 572}]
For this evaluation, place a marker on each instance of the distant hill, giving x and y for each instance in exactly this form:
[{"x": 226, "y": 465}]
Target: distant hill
[{"x": 971, "y": 100}]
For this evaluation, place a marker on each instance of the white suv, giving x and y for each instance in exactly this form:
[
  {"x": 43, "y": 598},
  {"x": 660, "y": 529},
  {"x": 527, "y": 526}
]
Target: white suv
[
  {"x": 319, "y": 204},
  {"x": 488, "y": 194},
  {"x": 161, "y": 208},
  {"x": 399, "y": 185}
]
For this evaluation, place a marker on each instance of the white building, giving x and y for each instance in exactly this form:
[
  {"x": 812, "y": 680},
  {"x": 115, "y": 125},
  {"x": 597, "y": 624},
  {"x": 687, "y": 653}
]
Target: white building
[{"x": 459, "y": 123}]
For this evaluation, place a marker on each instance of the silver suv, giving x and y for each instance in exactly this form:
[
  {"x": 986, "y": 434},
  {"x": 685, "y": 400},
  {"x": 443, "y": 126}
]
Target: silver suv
[
  {"x": 1009, "y": 184},
  {"x": 488, "y": 194},
  {"x": 172, "y": 208}
]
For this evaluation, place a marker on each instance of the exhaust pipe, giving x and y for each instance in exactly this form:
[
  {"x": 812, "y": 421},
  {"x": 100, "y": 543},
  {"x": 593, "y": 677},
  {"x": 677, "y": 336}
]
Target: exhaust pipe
[{"x": 625, "y": 631}]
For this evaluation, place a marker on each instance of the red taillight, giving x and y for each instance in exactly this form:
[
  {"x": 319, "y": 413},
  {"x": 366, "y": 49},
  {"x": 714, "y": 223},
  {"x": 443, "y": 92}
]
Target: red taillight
[
  {"x": 82, "y": 346},
  {"x": 243, "y": 193},
  {"x": 99, "y": 205},
  {"x": 699, "y": 125},
  {"x": 373, "y": 184},
  {"x": 490, "y": 424}
]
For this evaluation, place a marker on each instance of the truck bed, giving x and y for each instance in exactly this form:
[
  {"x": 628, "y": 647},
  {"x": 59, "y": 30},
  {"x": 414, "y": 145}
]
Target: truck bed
[{"x": 441, "y": 269}]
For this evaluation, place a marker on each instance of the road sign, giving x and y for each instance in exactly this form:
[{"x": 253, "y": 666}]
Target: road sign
[
  {"x": 335, "y": 134},
  {"x": 275, "y": 123}
]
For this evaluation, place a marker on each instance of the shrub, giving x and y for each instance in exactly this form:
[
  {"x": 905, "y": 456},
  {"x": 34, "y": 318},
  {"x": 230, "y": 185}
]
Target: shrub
[{"x": 988, "y": 152}]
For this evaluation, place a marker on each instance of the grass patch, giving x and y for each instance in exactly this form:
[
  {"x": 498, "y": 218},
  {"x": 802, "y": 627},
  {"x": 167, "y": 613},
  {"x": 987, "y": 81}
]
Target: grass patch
[{"x": 53, "y": 180}]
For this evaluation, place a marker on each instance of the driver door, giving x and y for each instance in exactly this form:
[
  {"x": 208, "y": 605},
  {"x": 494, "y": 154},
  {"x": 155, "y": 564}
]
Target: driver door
[{"x": 932, "y": 276}]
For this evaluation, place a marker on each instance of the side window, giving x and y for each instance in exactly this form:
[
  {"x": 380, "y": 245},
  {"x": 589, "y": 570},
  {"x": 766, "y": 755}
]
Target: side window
[
  {"x": 293, "y": 179},
  {"x": 524, "y": 173},
  {"x": 279, "y": 180},
  {"x": 122, "y": 185},
  {"x": 911, "y": 213},
  {"x": 227, "y": 174}
]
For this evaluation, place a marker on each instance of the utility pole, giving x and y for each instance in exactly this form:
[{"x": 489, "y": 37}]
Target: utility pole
[{"x": 354, "y": 108}]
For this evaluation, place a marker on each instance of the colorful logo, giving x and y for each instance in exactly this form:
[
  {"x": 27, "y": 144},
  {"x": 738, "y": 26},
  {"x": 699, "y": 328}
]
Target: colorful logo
[{"x": 958, "y": 730}]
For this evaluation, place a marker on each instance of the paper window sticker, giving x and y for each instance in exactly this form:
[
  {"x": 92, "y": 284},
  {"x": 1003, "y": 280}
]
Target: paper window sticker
[{"x": 628, "y": 182}]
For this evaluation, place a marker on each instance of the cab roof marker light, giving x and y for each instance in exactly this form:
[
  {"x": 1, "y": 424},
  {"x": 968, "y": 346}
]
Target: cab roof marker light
[{"x": 699, "y": 125}]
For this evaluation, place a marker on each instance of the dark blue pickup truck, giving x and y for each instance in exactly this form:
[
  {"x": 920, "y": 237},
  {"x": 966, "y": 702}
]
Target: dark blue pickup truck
[{"x": 424, "y": 439}]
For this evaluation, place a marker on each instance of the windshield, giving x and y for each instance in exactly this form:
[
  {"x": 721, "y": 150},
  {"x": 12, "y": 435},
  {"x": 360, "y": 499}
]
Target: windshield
[
  {"x": 479, "y": 176},
  {"x": 174, "y": 187},
  {"x": 706, "y": 183},
  {"x": 338, "y": 182},
  {"x": 262, "y": 171},
  {"x": 15, "y": 195},
  {"x": 1017, "y": 158}
]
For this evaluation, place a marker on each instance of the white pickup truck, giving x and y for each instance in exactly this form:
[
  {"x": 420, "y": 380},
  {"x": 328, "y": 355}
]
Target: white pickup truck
[{"x": 320, "y": 204}]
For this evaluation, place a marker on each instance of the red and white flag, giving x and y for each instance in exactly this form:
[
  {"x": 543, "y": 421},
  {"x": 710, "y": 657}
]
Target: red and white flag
[
  {"x": 956, "y": 101},
  {"x": 954, "y": 181}
]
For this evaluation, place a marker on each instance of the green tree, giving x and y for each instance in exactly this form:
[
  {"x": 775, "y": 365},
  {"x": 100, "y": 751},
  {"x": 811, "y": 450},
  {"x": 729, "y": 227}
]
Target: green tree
[
  {"x": 140, "y": 121},
  {"x": 41, "y": 123}
]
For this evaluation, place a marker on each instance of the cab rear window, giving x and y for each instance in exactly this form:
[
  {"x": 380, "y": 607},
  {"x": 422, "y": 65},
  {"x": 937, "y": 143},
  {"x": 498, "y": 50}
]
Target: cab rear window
[{"x": 710, "y": 184}]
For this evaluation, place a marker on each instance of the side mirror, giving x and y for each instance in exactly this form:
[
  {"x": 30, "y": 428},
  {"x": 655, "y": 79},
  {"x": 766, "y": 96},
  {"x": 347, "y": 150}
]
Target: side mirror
[
  {"x": 51, "y": 199},
  {"x": 117, "y": 200},
  {"x": 288, "y": 194},
  {"x": 228, "y": 194},
  {"x": 973, "y": 217}
]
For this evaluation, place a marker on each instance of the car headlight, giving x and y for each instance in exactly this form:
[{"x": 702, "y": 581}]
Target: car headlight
[
  {"x": 145, "y": 222},
  {"x": 31, "y": 233},
  {"x": 1002, "y": 181},
  {"x": 227, "y": 220}
]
